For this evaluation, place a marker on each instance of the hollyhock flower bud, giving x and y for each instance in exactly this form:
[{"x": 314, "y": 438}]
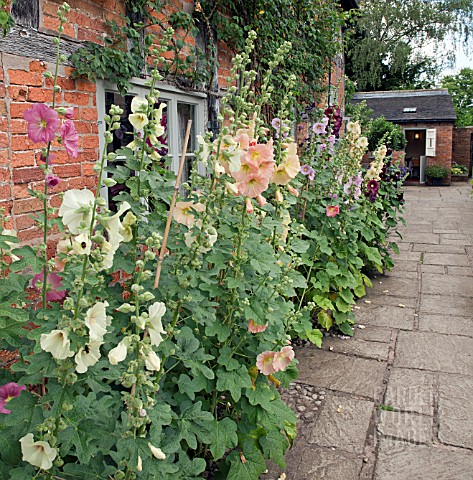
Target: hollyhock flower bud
[
  {"x": 255, "y": 328},
  {"x": 157, "y": 452},
  {"x": 249, "y": 206},
  {"x": 152, "y": 361}
]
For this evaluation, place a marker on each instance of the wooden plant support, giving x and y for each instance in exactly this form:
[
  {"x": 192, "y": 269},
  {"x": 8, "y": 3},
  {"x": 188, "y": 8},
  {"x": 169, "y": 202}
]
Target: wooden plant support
[{"x": 173, "y": 203}]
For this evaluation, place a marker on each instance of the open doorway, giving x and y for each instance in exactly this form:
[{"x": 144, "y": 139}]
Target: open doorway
[{"x": 415, "y": 149}]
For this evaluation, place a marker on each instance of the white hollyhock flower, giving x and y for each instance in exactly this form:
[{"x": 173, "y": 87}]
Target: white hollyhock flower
[
  {"x": 152, "y": 361},
  {"x": 82, "y": 244},
  {"x": 88, "y": 356},
  {"x": 158, "y": 113},
  {"x": 40, "y": 454},
  {"x": 57, "y": 344},
  {"x": 138, "y": 120},
  {"x": 119, "y": 353},
  {"x": 157, "y": 452},
  {"x": 128, "y": 221},
  {"x": 115, "y": 230},
  {"x": 155, "y": 326},
  {"x": 97, "y": 321},
  {"x": 204, "y": 154},
  {"x": 76, "y": 208},
  {"x": 139, "y": 104}
]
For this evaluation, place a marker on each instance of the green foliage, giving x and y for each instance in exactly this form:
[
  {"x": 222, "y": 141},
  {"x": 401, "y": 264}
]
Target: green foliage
[
  {"x": 383, "y": 132},
  {"x": 6, "y": 20},
  {"x": 459, "y": 169},
  {"x": 437, "y": 171},
  {"x": 384, "y": 49},
  {"x": 460, "y": 87}
]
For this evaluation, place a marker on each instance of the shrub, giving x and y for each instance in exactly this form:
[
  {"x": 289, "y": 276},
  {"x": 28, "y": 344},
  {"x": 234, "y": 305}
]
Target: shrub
[{"x": 437, "y": 171}]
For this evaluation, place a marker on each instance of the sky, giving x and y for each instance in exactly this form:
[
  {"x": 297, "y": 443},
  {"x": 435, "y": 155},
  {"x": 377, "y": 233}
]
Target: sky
[{"x": 462, "y": 59}]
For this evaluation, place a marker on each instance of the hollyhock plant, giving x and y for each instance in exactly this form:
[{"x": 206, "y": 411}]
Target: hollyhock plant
[
  {"x": 54, "y": 283},
  {"x": 69, "y": 138},
  {"x": 332, "y": 210},
  {"x": 43, "y": 123},
  {"x": 7, "y": 392},
  {"x": 40, "y": 454}
]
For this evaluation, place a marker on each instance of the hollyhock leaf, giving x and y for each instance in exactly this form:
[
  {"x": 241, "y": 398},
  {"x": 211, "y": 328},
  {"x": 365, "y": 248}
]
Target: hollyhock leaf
[
  {"x": 251, "y": 469},
  {"x": 12, "y": 321},
  {"x": 300, "y": 246},
  {"x": 347, "y": 295},
  {"x": 274, "y": 446},
  {"x": 315, "y": 336},
  {"x": 225, "y": 359},
  {"x": 224, "y": 437},
  {"x": 233, "y": 381},
  {"x": 262, "y": 395},
  {"x": 279, "y": 414},
  {"x": 325, "y": 320},
  {"x": 28, "y": 259},
  {"x": 194, "y": 423}
]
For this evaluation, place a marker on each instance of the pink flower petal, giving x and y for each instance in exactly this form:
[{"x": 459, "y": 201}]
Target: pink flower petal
[{"x": 43, "y": 123}]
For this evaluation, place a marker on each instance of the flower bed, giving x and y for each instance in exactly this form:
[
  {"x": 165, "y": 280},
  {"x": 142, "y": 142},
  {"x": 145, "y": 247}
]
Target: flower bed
[{"x": 171, "y": 368}]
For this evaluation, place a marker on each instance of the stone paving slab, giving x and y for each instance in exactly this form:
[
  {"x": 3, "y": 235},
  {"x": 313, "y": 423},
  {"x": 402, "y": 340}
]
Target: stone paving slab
[
  {"x": 314, "y": 463},
  {"x": 446, "y": 324},
  {"x": 434, "y": 352},
  {"x": 340, "y": 372},
  {"x": 447, "y": 285},
  {"x": 406, "y": 426},
  {"x": 386, "y": 316},
  {"x": 460, "y": 271},
  {"x": 395, "y": 286},
  {"x": 374, "y": 334},
  {"x": 445, "y": 259},
  {"x": 411, "y": 391},
  {"x": 447, "y": 305},
  {"x": 355, "y": 346},
  {"x": 455, "y": 249},
  {"x": 399, "y": 460},
  {"x": 455, "y": 411},
  {"x": 375, "y": 298},
  {"x": 437, "y": 269},
  {"x": 343, "y": 424}
]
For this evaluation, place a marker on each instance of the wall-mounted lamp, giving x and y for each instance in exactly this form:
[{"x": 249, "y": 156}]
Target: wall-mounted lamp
[{"x": 417, "y": 136}]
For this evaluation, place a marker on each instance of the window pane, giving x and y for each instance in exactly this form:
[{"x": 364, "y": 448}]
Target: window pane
[
  {"x": 120, "y": 137},
  {"x": 186, "y": 112}
]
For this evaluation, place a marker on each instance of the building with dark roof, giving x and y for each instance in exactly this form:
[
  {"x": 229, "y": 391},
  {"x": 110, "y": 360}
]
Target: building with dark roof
[{"x": 427, "y": 118}]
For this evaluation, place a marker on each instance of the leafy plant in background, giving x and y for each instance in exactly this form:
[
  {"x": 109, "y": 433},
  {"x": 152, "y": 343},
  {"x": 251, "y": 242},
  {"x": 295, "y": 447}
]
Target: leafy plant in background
[
  {"x": 459, "y": 169},
  {"x": 382, "y": 132},
  {"x": 437, "y": 171},
  {"x": 6, "y": 20}
]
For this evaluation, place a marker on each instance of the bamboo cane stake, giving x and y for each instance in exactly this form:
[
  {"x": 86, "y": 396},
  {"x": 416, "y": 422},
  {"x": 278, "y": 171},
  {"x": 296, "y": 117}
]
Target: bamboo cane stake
[{"x": 173, "y": 203}]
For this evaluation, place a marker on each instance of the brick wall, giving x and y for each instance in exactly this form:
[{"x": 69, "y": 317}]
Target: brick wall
[{"x": 461, "y": 145}]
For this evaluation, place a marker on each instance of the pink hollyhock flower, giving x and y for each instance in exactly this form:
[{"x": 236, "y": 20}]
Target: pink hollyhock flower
[
  {"x": 264, "y": 362},
  {"x": 183, "y": 212},
  {"x": 331, "y": 139},
  {"x": 70, "y": 139},
  {"x": 253, "y": 185},
  {"x": 323, "y": 147},
  {"x": 51, "y": 180},
  {"x": 53, "y": 293},
  {"x": 254, "y": 328},
  {"x": 288, "y": 168},
  {"x": 43, "y": 123},
  {"x": 283, "y": 358},
  {"x": 332, "y": 210},
  {"x": 319, "y": 128},
  {"x": 261, "y": 156},
  {"x": 7, "y": 392}
]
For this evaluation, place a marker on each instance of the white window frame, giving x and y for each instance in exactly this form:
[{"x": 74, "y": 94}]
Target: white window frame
[{"x": 172, "y": 96}]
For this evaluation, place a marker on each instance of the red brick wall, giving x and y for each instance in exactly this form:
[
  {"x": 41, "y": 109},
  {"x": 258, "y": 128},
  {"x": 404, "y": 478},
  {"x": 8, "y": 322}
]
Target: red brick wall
[
  {"x": 23, "y": 84},
  {"x": 461, "y": 145}
]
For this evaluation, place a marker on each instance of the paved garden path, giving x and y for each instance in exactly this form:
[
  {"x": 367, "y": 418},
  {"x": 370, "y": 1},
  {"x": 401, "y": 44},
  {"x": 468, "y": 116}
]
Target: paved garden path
[{"x": 396, "y": 402}]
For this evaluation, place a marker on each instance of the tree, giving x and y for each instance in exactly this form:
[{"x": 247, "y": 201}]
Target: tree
[
  {"x": 460, "y": 87},
  {"x": 394, "y": 43}
]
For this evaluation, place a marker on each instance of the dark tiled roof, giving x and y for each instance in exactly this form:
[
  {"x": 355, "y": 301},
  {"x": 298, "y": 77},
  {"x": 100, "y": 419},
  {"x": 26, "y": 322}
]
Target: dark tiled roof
[{"x": 429, "y": 105}]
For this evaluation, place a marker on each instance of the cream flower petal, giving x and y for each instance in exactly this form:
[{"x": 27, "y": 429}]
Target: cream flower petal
[
  {"x": 138, "y": 120},
  {"x": 97, "y": 321},
  {"x": 40, "y": 454},
  {"x": 115, "y": 230},
  {"x": 155, "y": 328},
  {"x": 76, "y": 208},
  {"x": 57, "y": 344},
  {"x": 152, "y": 361},
  {"x": 88, "y": 356},
  {"x": 82, "y": 244},
  {"x": 119, "y": 353},
  {"x": 139, "y": 104}
]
